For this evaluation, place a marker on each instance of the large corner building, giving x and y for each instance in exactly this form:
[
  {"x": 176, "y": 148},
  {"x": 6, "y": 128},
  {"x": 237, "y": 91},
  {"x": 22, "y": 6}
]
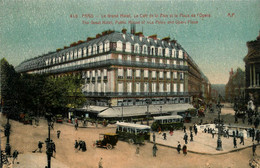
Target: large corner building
[{"x": 124, "y": 69}]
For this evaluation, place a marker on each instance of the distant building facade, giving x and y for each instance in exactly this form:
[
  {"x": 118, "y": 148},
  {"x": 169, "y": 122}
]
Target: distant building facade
[
  {"x": 252, "y": 70},
  {"x": 123, "y": 69},
  {"x": 235, "y": 88}
]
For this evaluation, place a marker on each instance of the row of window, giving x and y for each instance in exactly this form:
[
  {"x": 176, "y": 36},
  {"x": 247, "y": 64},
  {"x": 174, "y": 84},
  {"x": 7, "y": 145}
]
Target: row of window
[
  {"x": 150, "y": 87},
  {"x": 145, "y": 74},
  {"x": 96, "y": 49},
  {"x": 147, "y": 59},
  {"x": 135, "y": 87}
]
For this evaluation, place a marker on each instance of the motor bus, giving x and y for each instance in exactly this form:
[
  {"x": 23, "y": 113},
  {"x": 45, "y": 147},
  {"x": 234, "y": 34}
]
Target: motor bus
[
  {"x": 133, "y": 133},
  {"x": 171, "y": 122}
]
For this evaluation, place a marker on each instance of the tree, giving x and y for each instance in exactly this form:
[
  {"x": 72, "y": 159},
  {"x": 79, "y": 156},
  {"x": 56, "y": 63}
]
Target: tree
[{"x": 9, "y": 89}]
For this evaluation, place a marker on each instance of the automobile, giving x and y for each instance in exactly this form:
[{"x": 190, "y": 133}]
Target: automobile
[{"x": 107, "y": 141}]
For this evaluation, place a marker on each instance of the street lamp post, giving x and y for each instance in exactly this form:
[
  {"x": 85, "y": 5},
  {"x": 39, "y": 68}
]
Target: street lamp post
[
  {"x": 147, "y": 111},
  {"x": 122, "y": 105},
  {"x": 220, "y": 126},
  {"x": 48, "y": 141}
]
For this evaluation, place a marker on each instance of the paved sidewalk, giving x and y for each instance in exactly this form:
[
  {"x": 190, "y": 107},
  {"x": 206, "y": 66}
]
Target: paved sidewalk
[{"x": 202, "y": 143}]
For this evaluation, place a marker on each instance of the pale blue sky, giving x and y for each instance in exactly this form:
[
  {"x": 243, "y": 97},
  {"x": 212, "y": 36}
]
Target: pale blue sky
[{"x": 29, "y": 28}]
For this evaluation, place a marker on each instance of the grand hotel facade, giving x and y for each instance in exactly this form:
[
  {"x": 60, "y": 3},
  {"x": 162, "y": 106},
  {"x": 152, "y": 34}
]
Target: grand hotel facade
[{"x": 124, "y": 69}]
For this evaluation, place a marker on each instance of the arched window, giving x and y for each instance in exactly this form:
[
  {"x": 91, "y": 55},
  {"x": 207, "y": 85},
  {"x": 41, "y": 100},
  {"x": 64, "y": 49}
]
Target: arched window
[
  {"x": 89, "y": 50},
  {"x": 136, "y": 48},
  {"x": 144, "y": 49},
  {"x": 107, "y": 47},
  {"x": 167, "y": 54},
  {"x": 84, "y": 51},
  {"x": 160, "y": 51},
  {"x": 71, "y": 55},
  {"x": 100, "y": 47},
  {"x": 94, "y": 49},
  {"x": 75, "y": 53},
  {"x": 152, "y": 50},
  {"x": 174, "y": 53},
  {"x": 180, "y": 54},
  {"x": 119, "y": 46},
  {"x": 79, "y": 53},
  {"x": 128, "y": 47}
]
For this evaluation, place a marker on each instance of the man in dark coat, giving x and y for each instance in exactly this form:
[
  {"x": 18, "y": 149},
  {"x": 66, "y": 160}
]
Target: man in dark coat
[
  {"x": 235, "y": 142},
  {"x": 40, "y": 146},
  {"x": 15, "y": 155},
  {"x": 76, "y": 145},
  {"x": 179, "y": 147},
  {"x": 253, "y": 134},
  {"x": 58, "y": 134},
  {"x": 196, "y": 130},
  {"x": 184, "y": 128},
  {"x": 164, "y": 136},
  {"x": 154, "y": 150},
  {"x": 242, "y": 139},
  {"x": 153, "y": 137},
  {"x": 254, "y": 148},
  {"x": 191, "y": 136},
  {"x": 185, "y": 138}
]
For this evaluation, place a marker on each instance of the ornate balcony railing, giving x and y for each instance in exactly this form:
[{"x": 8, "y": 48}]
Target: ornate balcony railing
[{"x": 134, "y": 94}]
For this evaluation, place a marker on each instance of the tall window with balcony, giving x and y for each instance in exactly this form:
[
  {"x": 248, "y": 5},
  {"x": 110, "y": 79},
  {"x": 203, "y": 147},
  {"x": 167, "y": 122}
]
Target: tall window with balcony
[
  {"x": 168, "y": 87},
  {"x": 168, "y": 75},
  {"x": 105, "y": 74},
  {"x": 181, "y": 75},
  {"x": 153, "y": 75},
  {"x": 120, "y": 73},
  {"x": 146, "y": 87},
  {"x": 174, "y": 75},
  {"x": 120, "y": 88},
  {"x": 129, "y": 87},
  {"x": 181, "y": 87},
  {"x": 129, "y": 73},
  {"x": 161, "y": 74},
  {"x": 138, "y": 74},
  {"x": 153, "y": 87},
  {"x": 137, "y": 88},
  {"x": 161, "y": 87},
  {"x": 146, "y": 74},
  {"x": 175, "y": 87}
]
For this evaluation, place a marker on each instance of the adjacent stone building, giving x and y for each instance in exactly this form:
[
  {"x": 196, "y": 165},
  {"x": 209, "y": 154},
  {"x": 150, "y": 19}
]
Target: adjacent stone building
[{"x": 252, "y": 70}]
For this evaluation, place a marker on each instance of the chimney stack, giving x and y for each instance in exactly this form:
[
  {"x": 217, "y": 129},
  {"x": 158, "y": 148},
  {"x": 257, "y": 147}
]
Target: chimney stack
[{"x": 124, "y": 30}]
